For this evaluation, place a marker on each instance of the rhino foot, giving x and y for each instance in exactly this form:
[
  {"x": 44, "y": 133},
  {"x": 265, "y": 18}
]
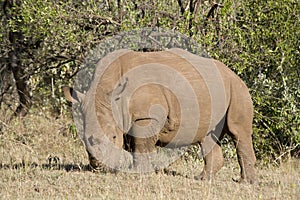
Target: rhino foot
[
  {"x": 245, "y": 181},
  {"x": 204, "y": 176}
]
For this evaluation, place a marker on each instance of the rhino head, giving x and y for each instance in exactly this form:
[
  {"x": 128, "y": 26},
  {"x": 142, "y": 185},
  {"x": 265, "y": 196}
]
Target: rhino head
[{"x": 102, "y": 139}]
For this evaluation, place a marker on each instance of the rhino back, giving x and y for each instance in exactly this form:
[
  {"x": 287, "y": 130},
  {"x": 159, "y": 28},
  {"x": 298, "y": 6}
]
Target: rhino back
[{"x": 206, "y": 77}]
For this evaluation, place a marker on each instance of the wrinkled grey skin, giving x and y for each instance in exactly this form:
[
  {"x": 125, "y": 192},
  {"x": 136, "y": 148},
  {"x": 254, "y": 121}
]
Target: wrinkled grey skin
[{"x": 207, "y": 103}]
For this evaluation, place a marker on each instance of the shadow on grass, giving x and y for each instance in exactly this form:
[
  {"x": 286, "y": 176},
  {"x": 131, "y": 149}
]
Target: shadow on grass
[
  {"x": 73, "y": 168},
  {"x": 53, "y": 163},
  {"x": 66, "y": 167}
]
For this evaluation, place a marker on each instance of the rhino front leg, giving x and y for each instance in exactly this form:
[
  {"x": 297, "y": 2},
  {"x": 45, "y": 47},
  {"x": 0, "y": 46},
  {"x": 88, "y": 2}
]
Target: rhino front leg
[{"x": 144, "y": 140}]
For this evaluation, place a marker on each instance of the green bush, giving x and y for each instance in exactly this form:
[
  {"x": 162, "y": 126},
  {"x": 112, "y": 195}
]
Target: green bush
[{"x": 259, "y": 40}]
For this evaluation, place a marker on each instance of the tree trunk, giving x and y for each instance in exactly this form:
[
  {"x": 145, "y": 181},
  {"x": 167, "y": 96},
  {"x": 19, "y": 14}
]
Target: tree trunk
[
  {"x": 21, "y": 84},
  {"x": 14, "y": 60}
]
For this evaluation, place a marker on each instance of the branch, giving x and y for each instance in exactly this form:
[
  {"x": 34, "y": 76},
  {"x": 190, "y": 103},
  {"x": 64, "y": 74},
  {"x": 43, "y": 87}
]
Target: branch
[
  {"x": 3, "y": 66},
  {"x": 89, "y": 16},
  {"x": 181, "y": 6},
  {"x": 288, "y": 151},
  {"x": 192, "y": 6},
  {"x": 212, "y": 10}
]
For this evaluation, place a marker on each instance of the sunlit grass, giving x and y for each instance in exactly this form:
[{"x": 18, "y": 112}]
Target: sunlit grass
[{"x": 41, "y": 158}]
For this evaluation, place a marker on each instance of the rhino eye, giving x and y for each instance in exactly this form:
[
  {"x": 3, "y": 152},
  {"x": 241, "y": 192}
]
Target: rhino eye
[{"x": 114, "y": 137}]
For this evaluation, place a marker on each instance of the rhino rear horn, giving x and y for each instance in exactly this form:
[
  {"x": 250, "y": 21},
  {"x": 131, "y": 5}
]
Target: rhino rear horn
[{"x": 73, "y": 95}]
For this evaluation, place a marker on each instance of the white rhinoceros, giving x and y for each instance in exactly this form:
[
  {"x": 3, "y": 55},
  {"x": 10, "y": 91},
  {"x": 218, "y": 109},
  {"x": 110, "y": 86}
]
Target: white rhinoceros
[{"x": 170, "y": 98}]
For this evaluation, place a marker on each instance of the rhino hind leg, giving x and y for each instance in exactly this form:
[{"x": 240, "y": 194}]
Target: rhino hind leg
[
  {"x": 239, "y": 122},
  {"x": 246, "y": 158},
  {"x": 213, "y": 161}
]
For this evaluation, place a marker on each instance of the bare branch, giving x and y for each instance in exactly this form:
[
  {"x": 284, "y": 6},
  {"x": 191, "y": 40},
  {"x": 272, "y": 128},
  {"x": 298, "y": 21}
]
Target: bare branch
[
  {"x": 181, "y": 6},
  {"x": 212, "y": 10}
]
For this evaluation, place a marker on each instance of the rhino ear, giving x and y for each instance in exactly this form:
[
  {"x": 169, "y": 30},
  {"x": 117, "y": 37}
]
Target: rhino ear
[{"x": 73, "y": 95}]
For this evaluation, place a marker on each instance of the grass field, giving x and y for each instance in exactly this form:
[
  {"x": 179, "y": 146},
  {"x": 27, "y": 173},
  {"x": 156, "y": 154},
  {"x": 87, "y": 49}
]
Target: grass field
[{"x": 42, "y": 158}]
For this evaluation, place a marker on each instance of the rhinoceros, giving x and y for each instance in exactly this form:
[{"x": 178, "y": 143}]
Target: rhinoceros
[{"x": 170, "y": 98}]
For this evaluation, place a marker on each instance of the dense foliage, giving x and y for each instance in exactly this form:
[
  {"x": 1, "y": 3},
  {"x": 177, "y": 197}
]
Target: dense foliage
[{"x": 43, "y": 44}]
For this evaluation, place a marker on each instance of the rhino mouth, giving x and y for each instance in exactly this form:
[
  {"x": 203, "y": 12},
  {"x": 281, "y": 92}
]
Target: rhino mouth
[{"x": 96, "y": 165}]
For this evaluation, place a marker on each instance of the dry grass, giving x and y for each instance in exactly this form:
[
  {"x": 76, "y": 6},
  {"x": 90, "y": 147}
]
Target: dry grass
[{"x": 28, "y": 172}]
